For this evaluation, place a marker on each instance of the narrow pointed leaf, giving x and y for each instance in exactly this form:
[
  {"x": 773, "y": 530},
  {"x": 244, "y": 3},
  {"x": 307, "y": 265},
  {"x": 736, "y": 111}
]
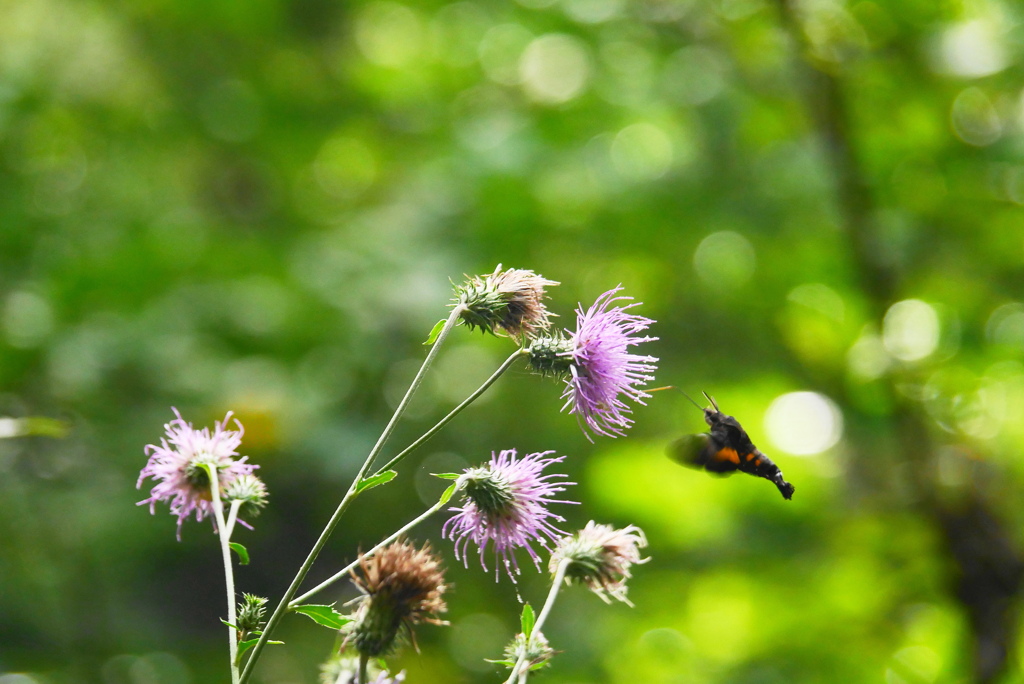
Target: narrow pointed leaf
[
  {"x": 244, "y": 646},
  {"x": 527, "y": 620},
  {"x": 448, "y": 493},
  {"x": 323, "y": 615},
  {"x": 432, "y": 337},
  {"x": 379, "y": 479},
  {"x": 447, "y": 476}
]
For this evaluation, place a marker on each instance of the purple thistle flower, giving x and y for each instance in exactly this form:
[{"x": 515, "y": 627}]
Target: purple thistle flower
[
  {"x": 505, "y": 502},
  {"x": 176, "y": 464},
  {"x": 598, "y": 368}
]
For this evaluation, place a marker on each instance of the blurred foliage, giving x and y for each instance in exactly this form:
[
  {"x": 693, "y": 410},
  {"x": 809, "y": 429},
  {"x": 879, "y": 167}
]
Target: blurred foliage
[{"x": 257, "y": 207}]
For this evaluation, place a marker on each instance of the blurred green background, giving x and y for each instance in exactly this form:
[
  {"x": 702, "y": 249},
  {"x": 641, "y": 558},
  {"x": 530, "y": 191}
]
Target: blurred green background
[{"x": 257, "y": 206}]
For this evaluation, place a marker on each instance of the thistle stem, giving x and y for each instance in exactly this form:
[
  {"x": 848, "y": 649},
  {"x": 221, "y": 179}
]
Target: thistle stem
[
  {"x": 518, "y": 672},
  {"x": 350, "y": 495},
  {"x": 224, "y": 533},
  {"x": 455, "y": 411},
  {"x": 351, "y": 566},
  {"x": 363, "y": 659},
  {"x": 233, "y": 516}
]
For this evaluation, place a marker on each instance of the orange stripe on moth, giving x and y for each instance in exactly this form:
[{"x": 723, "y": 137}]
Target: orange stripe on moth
[
  {"x": 749, "y": 457},
  {"x": 728, "y": 455}
]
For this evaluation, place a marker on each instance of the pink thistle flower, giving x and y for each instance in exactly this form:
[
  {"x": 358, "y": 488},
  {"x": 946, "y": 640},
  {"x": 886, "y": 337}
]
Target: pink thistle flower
[
  {"x": 505, "y": 503},
  {"x": 598, "y": 368},
  {"x": 176, "y": 464}
]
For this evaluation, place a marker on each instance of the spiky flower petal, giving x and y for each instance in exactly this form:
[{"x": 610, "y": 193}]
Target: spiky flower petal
[
  {"x": 505, "y": 503},
  {"x": 402, "y": 586},
  {"x": 600, "y": 557},
  {"x": 511, "y": 300},
  {"x": 596, "y": 363},
  {"x": 177, "y": 464}
]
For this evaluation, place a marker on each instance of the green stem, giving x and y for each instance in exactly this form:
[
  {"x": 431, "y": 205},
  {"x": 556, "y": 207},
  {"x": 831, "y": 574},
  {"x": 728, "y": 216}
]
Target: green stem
[
  {"x": 455, "y": 411},
  {"x": 556, "y": 584},
  {"x": 224, "y": 532},
  {"x": 350, "y": 495},
  {"x": 363, "y": 659},
  {"x": 350, "y": 567}
]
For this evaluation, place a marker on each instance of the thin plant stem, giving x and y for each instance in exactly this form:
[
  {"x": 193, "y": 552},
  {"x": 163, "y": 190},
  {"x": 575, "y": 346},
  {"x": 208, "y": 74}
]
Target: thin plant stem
[
  {"x": 455, "y": 411},
  {"x": 518, "y": 672},
  {"x": 362, "y": 667},
  {"x": 350, "y": 495},
  {"x": 233, "y": 516},
  {"x": 351, "y": 566},
  {"x": 224, "y": 532}
]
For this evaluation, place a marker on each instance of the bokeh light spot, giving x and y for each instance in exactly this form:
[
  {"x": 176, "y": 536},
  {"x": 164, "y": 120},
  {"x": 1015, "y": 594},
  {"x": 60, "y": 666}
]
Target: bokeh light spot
[
  {"x": 389, "y": 34},
  {"x": 725, "y": 260},
  {"x": 975, "y": 119},
  {"x": 641, "y": 152},
  {"x": 912, "y": 665},
  {"x": 694, "y": 75},
  {"x": 27, "y": 320},
  {"x": 803, "y": 423},
  {"x": 820, "y": 298},
  {"x": 973, "y": 49},
  {"x": 910, "y": 330},
  {"x": 1005, "y": 325},
  {"x": 592, "y": 11},
  {"x": 867, "y": 358},
  {"x": 345, "y": 167},
  {"x": 500, "y": 50},
  {"x": 555, "y": 68}
]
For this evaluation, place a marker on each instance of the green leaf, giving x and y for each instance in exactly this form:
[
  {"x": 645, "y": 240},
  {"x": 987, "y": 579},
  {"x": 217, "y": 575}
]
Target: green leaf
[
  {"x": 432, "y": 337},
  {"x": 244, "y": 646},
  {"x": 527, "y": 620},
  {"x": 243, "y": 555},
  {"x": 448, "y": 493},
  {"x": 447, "y": 476},
  {"x": 323, "y": 615},
  {"x": 229, "y": 624},
  {"x": 378, "y": 479}
]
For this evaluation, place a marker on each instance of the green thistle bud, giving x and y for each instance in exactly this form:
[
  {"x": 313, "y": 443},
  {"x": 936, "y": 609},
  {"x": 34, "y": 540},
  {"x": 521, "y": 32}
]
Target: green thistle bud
[
  {"x": 250, "y": 490},
  {"x": 551, "y": 355},
  {"x": 491, "y": 492},
  {"x": 251, "y": 613},
  {"x": 538, "y": 653}
]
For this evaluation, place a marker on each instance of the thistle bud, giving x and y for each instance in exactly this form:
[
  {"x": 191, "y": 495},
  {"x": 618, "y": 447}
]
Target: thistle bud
[
  {"x": 250, "y": 490},
  {"x": 251, "y": 613},
  {"x": 402, "y": 586},
  {"x": 599, "y": 556},
  {"x": 510, "y": 300},
  {"x": 552, "y": 355},
  {"x": 535, "y": 651}
]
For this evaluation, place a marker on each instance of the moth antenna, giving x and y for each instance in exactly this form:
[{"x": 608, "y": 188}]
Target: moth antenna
[
  {"x": 712, "y": 400},
  {"x": 673, "y": 387}
]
